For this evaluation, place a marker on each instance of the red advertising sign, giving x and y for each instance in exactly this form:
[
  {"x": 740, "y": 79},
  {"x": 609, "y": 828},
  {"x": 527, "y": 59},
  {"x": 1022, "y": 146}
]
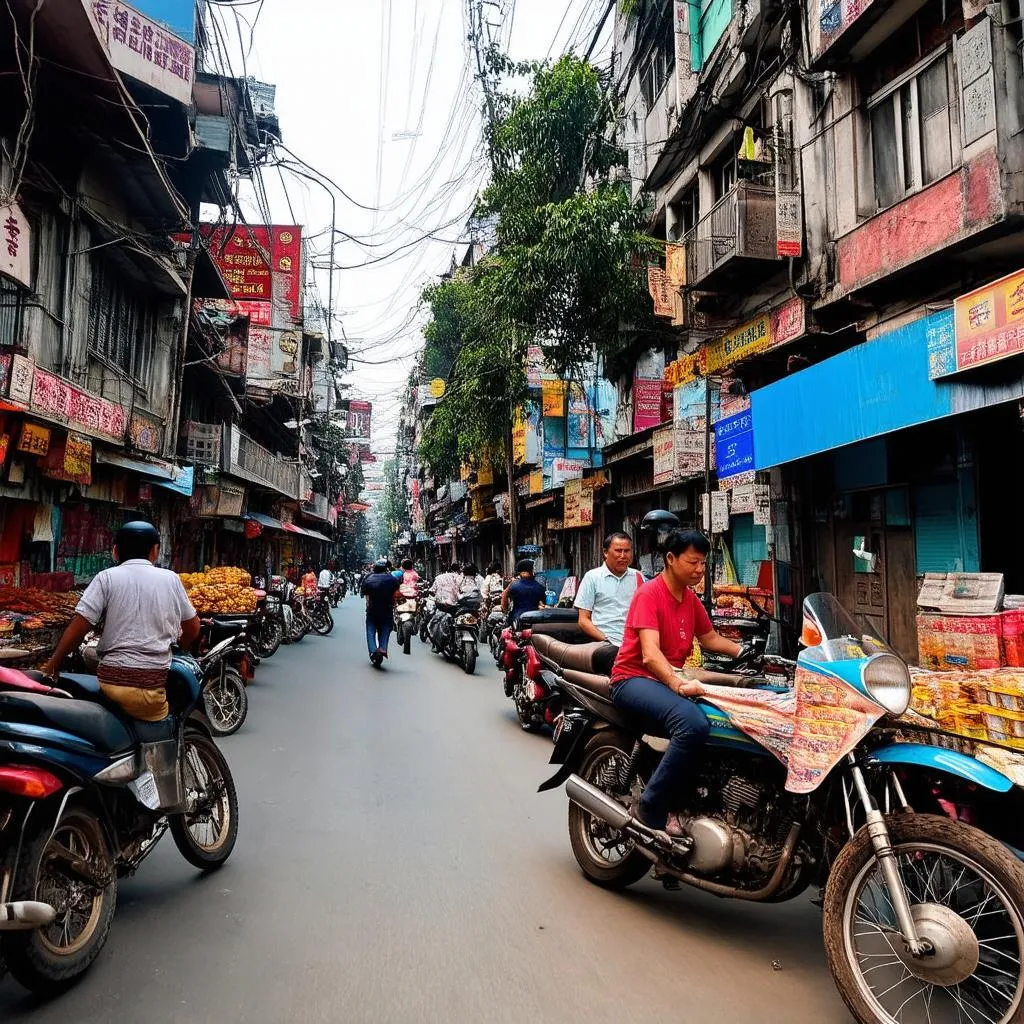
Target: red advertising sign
[
  {"x": 359, "y": 414},
  {"x": 646, "y": 404},
  {"x": 990, "y": 322},
  {"x": 260, "y": 263}
]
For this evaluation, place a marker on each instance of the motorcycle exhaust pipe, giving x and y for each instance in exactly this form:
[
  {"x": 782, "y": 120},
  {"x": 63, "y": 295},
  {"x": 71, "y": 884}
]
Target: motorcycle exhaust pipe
[
  {"x": 25, "y": 916},
  {"x": 599, "y": 804}
]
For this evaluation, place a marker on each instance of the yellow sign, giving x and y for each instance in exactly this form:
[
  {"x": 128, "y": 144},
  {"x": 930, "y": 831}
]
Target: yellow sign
[
  {"x": 34, "y": 439},
  {"x": 989, "y": 322},
  {"x": 751, "y": 338},
  {"x": 579, "y": 504},
  {"x": 519, "y": 438},
  {"x": 686, "y": 369},
  {"x": 553, "y": 397},
  {"x": 437, "y": 387},
  {"x": 537, "y": 481},
  {"x": 675, "y": 266}
]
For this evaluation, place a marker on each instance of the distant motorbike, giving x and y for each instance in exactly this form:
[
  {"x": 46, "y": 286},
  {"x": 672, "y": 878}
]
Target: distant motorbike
[
  {"x": 338, "y": 589},
  {"x": 85, "y": 795},
  {"x": 319, "y": 611},
  {"x": 405, "y": 621},
  {"x": 454, "y": 632}
]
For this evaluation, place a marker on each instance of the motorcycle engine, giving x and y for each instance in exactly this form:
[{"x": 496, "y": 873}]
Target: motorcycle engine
[{"x": 741, "y": 831}]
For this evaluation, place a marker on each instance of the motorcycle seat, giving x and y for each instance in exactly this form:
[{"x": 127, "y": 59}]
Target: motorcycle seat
[
  {"x": 532, "y": 619},
  {"x": 86, "y": 719},
  {"x": 597, "y": 684},
  {"x": 576, "y": 657}
]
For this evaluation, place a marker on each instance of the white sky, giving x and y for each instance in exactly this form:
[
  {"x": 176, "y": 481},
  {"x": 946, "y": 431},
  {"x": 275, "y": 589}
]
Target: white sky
[{"x": 345, "y": 83}]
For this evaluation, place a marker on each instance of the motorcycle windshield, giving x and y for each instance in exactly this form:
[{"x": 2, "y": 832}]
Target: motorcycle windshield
[{"x": 842, "y": 637}]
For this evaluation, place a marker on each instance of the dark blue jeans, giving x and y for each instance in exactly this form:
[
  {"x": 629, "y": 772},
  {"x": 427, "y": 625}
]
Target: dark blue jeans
[
  {"x": 378, "y": 633},
  {"x": 661, "y": 712}
]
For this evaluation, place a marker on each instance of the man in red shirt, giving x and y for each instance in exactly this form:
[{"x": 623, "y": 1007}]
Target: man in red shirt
[{"x": 664, "y": 617}]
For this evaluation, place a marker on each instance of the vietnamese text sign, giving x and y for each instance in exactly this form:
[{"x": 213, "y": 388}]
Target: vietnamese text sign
[
  {"x": 989, "y": 322},
  {"x": 734, "y": 443},
  {"x": 143, "y": 49}
]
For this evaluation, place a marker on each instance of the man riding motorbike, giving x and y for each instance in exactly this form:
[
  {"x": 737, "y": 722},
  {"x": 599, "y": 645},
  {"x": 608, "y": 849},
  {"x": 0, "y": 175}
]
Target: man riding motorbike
[
  {"x": 664, "y": 618},
  {"x": 144, "y": 610},
  {"x": 524, "y": 593},
  {"x": 604, "y": 596}
]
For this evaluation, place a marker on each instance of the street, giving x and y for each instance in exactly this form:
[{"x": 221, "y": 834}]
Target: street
[{"x": 395, "y": 864}]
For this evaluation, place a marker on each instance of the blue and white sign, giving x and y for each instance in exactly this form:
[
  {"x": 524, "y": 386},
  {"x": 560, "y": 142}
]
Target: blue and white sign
[{"x": 734, "y": 444}]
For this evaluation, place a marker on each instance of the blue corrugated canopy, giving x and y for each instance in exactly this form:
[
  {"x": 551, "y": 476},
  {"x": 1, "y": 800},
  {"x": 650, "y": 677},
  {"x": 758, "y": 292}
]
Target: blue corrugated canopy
[
  {"x": 867, "y": 391},
  {"x": 269, "y": 521}
]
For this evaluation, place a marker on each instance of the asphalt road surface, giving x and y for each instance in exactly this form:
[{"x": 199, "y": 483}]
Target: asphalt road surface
[{"x": 395, "y": 864}]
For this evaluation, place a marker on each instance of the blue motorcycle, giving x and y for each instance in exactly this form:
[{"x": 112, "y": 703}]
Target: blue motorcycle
[
  {"x": 821, "y": 783},
  {"x": 85, "y": 795}
]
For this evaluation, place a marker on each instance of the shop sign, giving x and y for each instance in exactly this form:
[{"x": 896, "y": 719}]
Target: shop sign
[
  {"x": 646, "y": 404},
  {"x": 537, "y": 481},
  {"x": 55, "y": 398},
  {"x": 534, "y": 366},
  {"x": 578, "y": 510},
  {"x": 657, "y": 285},
  {"x": 687, "y": 368},
  {"x": 5, "y": 372},
  {"x": 734, "y": 444},
  {"x": 20, "y": 389},
  {"x": 675, "y": 266},
  {"x": 69, "y": 460},
  {"x": 719, "y": 511},
  {"x": 789, "y": 224},
  {"x": 762, "y": 505},
  {"x": 553, "y": 397},
  {"x": 563, "y": 470},
  {"x": 145, "y": 433},
  {"x": 743, "y": 499},
  {"x": 34, "y": 440},
  {"x": 5, "y": 447},
  {"x": 144, "y": 49},
  {"x": 763, "y": 333},
  {"x": 989, "y": 322},
  {"x": 15, "y": 245},
  {"x": 230, "y": 501},
  {"x": 556, "y": 524},
  {"x": 664, "y": 456}
]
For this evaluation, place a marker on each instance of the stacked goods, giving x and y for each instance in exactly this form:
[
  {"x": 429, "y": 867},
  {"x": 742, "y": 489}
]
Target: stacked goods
[
  {"x": 986, "y": 705},
  {"x": 226, "y": 590},
  {"x": 952, "y": 643},
  {"x": 734, "y": 600},
  {"x": 31, "y": 608},
  {"x": 1012, "y": 643}
]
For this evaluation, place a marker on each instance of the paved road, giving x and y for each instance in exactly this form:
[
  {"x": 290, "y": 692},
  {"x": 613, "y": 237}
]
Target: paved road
[{"x": 396, "y": 865}]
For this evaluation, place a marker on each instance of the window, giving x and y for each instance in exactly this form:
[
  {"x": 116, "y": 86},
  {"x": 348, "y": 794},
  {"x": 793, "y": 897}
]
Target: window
[
  {"x": 12, "y": 310},
  {"x": 914, "y": 133},
  {"x": 723, "y": 172},
  {"x": 659, "y": 65},
  {"x": 122, "y": 324},
  {"x": 708, "y": 21},
  {"x": 689, "y": 210}
]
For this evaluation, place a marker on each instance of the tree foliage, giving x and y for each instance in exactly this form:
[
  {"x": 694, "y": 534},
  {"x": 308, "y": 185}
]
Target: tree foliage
[{"x": 565, "y": 270}]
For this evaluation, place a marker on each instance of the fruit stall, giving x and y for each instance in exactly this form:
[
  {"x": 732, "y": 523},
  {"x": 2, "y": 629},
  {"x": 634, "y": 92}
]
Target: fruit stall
[{"x": 223, "y": 591}]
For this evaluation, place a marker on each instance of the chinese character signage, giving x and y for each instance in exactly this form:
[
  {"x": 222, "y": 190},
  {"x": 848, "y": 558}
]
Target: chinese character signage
[
  {"x": 767, "y": 331},
  {"x": 34, "y": 440},
  {"x": 989, "y": 322},
  {"x": 56, "y": 399},
  {"x": 664, "y": 456},
  {"x": 657, "y": 285},
  {"x": 734, "y": 444},
  {"x": 143, "y": 49},
  {"x": 15, "y": 253},
  {"x": 179, "y": 16},
  {"x": 359, "y": 414},
  {"x": 563, "y": 470},
  {"x": 646, "y": 404}
]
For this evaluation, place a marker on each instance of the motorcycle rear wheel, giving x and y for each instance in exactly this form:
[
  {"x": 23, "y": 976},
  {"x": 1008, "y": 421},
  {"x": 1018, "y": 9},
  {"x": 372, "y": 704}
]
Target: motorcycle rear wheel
[
  {"x": 469, "y": 653},
  {"x": 323, "y": 621},
  {"x": 603, "y": 855},
  {"x": 966, "y": 892},
  {"x": 226, "y": 702},
  {"x": 407, "y": 631},
  {"x": 48, "y": 960},
  {"x": 206, "y": 834},
  {"x": 270, "y": 637}
]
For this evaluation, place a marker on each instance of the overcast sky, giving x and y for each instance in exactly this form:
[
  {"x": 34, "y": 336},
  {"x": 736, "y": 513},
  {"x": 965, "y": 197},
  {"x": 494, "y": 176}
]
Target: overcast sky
[{"x": 350, "y": 74}]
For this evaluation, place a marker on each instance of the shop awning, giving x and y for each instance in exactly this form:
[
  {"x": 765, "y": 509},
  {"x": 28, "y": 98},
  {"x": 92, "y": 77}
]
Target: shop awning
[
  {"x": 157, "y": 470},
  {"x": 183, "y": 483},
  {"x": 292, "y": 528},
  {"x": 867, "y": 391},
  {"x": 267, "y": 521}
]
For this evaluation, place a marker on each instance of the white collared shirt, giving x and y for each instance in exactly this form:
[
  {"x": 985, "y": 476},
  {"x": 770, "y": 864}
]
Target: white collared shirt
[{"x": 607, "y": 597}]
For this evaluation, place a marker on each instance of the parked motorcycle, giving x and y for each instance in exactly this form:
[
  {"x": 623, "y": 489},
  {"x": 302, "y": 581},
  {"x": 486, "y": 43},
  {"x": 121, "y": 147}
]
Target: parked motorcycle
[
  {"x": 297, "y": 621},
  {"x": 319, "y": 611},
  {"x": 428, "y": 609},
  {"x": 923, "y": 913},
  {"x": 454, "y": 632},
  {"x": 226, "y": 666},
  {"x": 268, "y": 628},
  {"x": 494, "y": 624},
  {"x": 405, "y": 622},
  {"x": 85, "y": 795}
]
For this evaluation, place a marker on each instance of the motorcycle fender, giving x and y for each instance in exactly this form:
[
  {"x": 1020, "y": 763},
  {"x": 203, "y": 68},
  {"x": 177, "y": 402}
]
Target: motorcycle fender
[
  {"x": 568, "y": 749},
  {"x": 951, "y": 762}
]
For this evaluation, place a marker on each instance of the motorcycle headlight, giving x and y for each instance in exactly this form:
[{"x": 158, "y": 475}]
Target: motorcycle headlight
[{"x": 887, "y": 680}]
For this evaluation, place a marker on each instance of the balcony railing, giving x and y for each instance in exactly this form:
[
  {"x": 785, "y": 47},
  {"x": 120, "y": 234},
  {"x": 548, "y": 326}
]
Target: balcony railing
[
  {"x": 738, "y": 232},
  {"x": 318, "y": 507},
  {"x": 249, "y": 460}
]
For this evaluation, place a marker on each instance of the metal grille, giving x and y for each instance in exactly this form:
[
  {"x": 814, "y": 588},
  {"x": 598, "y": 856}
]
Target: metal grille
[
  {"x": 122, "y": 325},
  {"x": 12, "y": 310}
]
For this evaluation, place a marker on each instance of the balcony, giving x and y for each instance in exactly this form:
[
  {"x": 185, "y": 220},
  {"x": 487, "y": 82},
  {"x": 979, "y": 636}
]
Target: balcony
[
  {"x": 735, "y": 240},
  {"x": 319, "y": 507},
  {"x": 843, "y": 33},
  {"x": 250, "y": 461}
]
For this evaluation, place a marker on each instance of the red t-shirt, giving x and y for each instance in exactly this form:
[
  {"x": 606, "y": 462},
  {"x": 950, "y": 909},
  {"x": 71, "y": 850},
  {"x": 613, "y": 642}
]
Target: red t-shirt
[{"x": 677, "y": 623}]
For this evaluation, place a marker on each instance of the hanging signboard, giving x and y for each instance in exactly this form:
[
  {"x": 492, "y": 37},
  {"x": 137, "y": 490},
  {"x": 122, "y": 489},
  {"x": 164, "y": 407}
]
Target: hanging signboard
[
  {"x": 675, "y": 266},
  {"x": 537, "y": 481},
  {"x": 563, "y": 470},
  {"x": 657, "y": 285},
  {"x": 664, "y": 456},
  {"x": 646, "y": 404},
  {"x": 534, "y": 365},
  {"x": 34, "y": 439},
  {"x": 989, "y": 322},
  {"x": 22, "y": 370},
  {"x": 789, "y": 224},
  {"x": 15, "y": 245},
  {"x": 762, "y": 505},
  {"x": 763, "y": 333},
  {"x": 579, "y": 504},
  {"x": 734, "y": 444},
  {"x": 719, "y": 511},
  {"x": 553, "y": 397},
  {"x": 69, "y": 460}
]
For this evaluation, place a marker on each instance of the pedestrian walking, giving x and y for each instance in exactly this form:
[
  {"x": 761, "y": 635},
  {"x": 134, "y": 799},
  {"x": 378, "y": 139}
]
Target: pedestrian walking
[{"x": 379, "y": 589}]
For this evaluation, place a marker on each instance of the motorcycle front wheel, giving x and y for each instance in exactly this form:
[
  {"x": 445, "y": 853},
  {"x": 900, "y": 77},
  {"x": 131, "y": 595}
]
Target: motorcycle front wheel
[
  {"x": 607, "y": 857},
  {"x": 270, "y": 636},
  {"x": 966, "y": 893},
  {"x": 226, "y": 702},
  {"x": 49, "y": 959},
  {"x": 300, "y": 627},
  {"x": 206, "y": 832},
  {"x": 406, "y": 635},
  {"x": 323, "y": 621},
  {"x": 469, "y": 653}
]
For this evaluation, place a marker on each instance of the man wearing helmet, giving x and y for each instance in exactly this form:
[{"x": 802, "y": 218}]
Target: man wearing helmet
[
  {"x": 379, "y": 589},
  {"x": 143, "y": 611}
]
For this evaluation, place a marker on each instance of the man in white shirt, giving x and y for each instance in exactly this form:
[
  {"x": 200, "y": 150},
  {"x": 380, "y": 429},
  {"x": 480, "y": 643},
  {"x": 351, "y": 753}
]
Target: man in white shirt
[
  {"x": 604, "y": 593},
  {"x": 325, "y": 579},
  {"x": 445, "y": 587},
  {"x": 143, "y": 611}
]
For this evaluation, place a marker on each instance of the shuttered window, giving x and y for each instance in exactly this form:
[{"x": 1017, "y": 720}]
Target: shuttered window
[
  {"x": 122, "y": 324},
  {"x": 12, "y": 309},
  {"x": 945, "y": 528}
]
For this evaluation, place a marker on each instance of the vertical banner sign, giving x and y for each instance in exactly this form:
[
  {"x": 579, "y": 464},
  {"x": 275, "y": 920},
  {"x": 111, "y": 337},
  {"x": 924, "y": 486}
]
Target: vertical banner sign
[
  {"x": 664, "y": 456},
  {"x": 15, "y": 250},
  {"x": 686, "y": 83},
  {"x": 573, "y": 491},
  {"x": 534, "y": 365},
  {"x": 675, "y": 266},
  {"x": 719, "y": 511},
  {"x": 553, "y": 397},
  {"x": 657, "y": 285},
  {"x": 519, "y": 437},
  {"x": 789, "y": 224},
  {"x": 646, "y": 404}
]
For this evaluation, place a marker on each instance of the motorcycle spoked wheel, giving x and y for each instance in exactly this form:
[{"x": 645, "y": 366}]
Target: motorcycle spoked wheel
[
  {"x": 300, "y": 627},
  {"x": 406, "y": 636},
  {"x": 604, "y": 855},
  {"x": 206, "y": 833},
  {"x": 966, "y": 892},
  {"x": 322, "y": 620},
  {"x": 469, "y": 655},
  {"x": 48, "y": 960},
  {"x": 226, "y": 702},
  {"x": 270, "y": 638}
]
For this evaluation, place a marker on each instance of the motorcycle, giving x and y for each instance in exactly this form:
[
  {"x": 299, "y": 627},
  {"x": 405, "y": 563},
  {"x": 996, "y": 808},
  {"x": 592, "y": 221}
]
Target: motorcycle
[
  {"x": 820, "y": 784},
  {"x": 454, "y": 632},
  {"x": 428, "y": 609},
  {"x": 405, "y": 621},
  {"x": 338, "y": 589},
  {"x": 296, "y": 620},
  {"x": 86, "y": 793},
  {"x": 319, "y": 611},
  {"x": 494, "y": 624},
  {"x": 226, "y": 665},
  {"x": 268, "y": 628}
]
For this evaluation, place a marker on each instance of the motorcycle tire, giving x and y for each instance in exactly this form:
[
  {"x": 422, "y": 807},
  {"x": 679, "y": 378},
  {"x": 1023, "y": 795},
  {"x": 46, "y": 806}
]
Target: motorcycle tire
[
  {"x": 300, "y": 627},
  {"x": 271, "y": 635},
  {"x": 633, "y": 866},
  {"x": 226, "y": 702},
  {"x": 205, "y": 770},
  {"x": 424, "y": 635},
  {"x": 407, "y": 631},
  {"x": 323, "y": 621},
  {"x": 35, "y": 958},
  {"x": 469, "y": 654},
  {"x": 918, "y": 836}
]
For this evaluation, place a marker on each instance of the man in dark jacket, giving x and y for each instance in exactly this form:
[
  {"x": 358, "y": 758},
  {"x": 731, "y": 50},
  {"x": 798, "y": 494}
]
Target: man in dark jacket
[{"x": 379, "y": 589}]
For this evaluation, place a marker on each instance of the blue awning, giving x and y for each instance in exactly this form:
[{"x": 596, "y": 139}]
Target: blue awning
[
  {"x": 268, "y": 521},
  {"x": 867, "y": 391},
  {"x": 183, "y": 483}
]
